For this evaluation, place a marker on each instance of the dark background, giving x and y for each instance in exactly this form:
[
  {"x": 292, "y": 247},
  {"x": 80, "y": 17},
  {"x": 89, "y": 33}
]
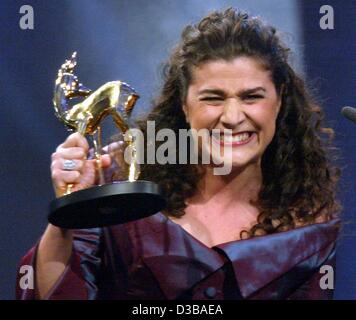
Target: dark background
[
  {"x": 119, "y": 39},
  {"x": 330, "y": 66}
]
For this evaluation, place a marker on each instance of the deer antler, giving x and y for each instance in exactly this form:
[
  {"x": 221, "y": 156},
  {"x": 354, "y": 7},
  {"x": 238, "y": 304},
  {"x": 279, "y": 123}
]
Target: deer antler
[{"x": 69, "y": 65}]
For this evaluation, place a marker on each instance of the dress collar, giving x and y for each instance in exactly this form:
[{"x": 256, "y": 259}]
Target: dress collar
[
  {"x": 179, "y": 261},
  {"x": 261, "y": 260}
]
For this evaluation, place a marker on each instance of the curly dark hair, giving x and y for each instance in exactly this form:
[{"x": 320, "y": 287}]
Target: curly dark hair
[{"x": 299, "y": 179}]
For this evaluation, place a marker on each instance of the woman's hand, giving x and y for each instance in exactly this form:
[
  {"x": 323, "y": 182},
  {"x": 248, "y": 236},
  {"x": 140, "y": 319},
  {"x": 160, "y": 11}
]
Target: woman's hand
[{"x": 82, "y": 172}]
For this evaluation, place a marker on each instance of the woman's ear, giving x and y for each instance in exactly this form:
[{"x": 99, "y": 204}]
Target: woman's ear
[
  {"x": 279, "y": 104},
  {"x": 280, "y": 96},
  {"x": 185, "y": 110}
]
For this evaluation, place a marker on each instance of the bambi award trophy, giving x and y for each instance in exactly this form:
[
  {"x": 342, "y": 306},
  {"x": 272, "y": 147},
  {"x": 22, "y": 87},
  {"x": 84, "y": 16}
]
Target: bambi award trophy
[{"x": 119, "y": 196}]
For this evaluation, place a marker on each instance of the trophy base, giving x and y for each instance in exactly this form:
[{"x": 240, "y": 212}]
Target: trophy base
[{"x": 106, "y": 205}]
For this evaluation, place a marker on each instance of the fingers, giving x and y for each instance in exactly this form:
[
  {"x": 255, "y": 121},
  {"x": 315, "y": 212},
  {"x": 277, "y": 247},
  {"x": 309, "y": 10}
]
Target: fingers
[
  {"x": 62, "y": 178},
  {"x": 58, "y": 164},
  {"x": 74, "y": 147},
  {"x": 86, "y": 180},
  {"x": 105, "y": 160},
  {"x": 76, "y": 140},
  {"x": 82, "y": 177},
  {"x": 60, "y": 175},
  {"x": 58, "y": 159},
  {"x": 69, "y": 153},
  {"x": 82, "y": 173}
]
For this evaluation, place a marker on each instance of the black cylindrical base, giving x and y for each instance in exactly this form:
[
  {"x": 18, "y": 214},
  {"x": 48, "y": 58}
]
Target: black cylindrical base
[{"x": 106, "y": 205}]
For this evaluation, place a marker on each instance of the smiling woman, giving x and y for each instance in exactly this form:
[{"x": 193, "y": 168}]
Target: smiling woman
[
  {"x": 230, "y": 71},
  {"x": 262, "y": 231}
]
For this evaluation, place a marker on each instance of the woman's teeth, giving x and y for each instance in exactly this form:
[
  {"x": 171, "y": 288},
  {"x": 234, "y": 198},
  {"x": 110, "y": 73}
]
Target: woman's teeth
[{"x": 235, "y": 138}]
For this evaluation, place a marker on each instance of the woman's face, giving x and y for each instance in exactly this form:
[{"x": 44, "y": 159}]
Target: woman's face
[{"x": 238, "y": 95}]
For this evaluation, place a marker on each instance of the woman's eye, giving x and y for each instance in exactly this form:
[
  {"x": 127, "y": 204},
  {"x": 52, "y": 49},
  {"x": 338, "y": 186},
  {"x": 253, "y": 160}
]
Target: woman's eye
[
  {"x": 254, "y": 97},
  {"x": 211, "y": 99}
]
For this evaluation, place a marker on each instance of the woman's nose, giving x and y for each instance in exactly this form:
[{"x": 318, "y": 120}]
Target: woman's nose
[{"x": 233, "y": 113}]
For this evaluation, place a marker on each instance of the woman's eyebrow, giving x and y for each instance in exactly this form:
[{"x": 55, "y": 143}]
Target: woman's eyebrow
[
  {"x": 246, "y": 92},
  {"x": 220, "y": 92},
  {"x": 212, "y": 91}
]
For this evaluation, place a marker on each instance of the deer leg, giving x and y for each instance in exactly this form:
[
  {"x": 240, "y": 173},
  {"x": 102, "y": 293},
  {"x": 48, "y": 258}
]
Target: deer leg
[{"x": 97, "y": 152}]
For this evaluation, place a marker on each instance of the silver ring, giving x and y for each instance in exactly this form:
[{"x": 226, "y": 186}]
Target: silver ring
[{"x": 68, "y": 165}]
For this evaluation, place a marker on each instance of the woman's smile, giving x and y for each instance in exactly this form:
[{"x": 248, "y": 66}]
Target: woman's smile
[{"x": 235, "y": 139}]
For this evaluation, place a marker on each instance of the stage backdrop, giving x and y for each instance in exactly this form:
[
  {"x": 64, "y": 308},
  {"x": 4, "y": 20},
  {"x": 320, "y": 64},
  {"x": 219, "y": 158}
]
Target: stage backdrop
[{"x": 128, "y": 40}]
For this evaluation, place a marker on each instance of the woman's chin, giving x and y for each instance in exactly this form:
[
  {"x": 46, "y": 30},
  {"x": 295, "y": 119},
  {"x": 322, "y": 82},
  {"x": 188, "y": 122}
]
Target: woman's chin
[{"x": 233, "y": 163}]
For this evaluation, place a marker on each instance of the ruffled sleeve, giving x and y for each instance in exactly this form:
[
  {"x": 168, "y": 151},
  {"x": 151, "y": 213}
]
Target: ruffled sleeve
[{"x": 78, "y": 280}]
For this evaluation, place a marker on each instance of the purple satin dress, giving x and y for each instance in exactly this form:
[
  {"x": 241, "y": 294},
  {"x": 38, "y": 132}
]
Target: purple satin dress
[{"x": 155, "y": 258}]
